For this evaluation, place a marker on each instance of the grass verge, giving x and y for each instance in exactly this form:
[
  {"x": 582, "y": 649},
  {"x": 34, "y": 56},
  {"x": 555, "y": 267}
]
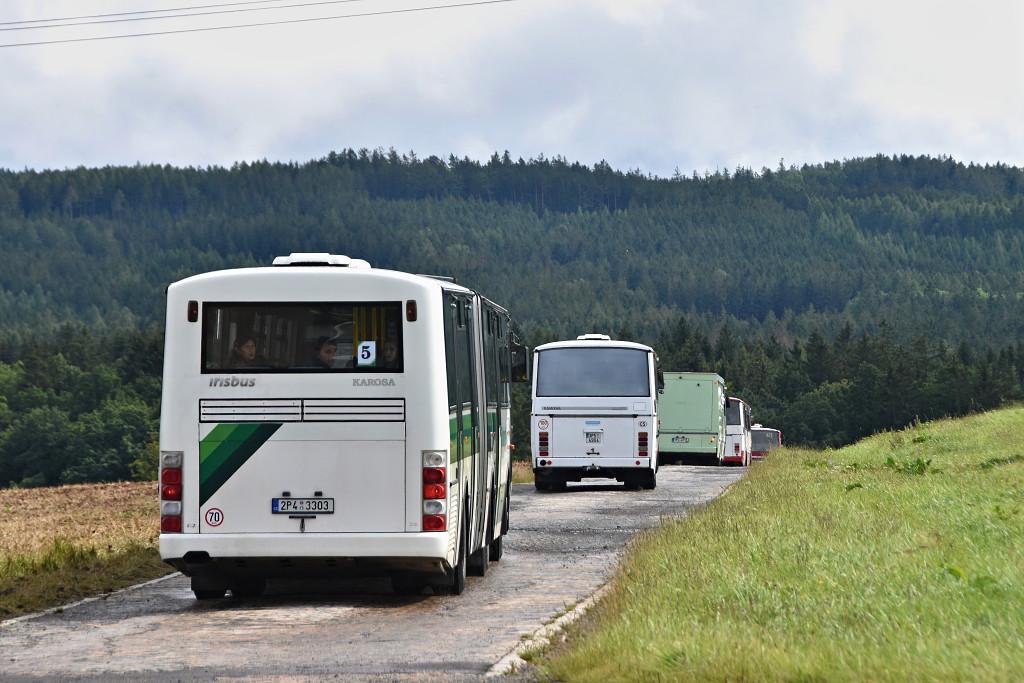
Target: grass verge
[
  {"x": 522, "y": 472},
  {"x": 65, "y": 543},
  {"x": 897, "y": 558}
]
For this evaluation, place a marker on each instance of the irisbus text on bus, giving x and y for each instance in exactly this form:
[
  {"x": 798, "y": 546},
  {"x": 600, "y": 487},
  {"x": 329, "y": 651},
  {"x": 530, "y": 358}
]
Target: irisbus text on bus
[{"x": 322, "y": 417}]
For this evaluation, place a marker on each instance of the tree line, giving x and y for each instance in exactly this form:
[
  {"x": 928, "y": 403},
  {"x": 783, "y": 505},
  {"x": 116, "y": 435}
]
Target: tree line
[
  {"x": 77, "y": 406},
  {"x": 923, "y": 243}
]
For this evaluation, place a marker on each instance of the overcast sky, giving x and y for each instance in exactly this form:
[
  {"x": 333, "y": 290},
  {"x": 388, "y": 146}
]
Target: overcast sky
[{"x": 649, "y": 84}]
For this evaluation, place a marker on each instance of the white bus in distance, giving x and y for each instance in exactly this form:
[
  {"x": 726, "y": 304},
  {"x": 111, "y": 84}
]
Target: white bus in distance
[
  {"x": 737, "y": 433},
  {"x": 763, "y": 440},
  {"x": 594, "y": 412},
  {"x": 322, "y": 417}
]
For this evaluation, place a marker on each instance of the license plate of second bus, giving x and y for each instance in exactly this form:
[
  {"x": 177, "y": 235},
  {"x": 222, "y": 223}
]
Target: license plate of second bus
[
  {"x": 282, "y": 506},
  {"x": 593, "y": 437}
]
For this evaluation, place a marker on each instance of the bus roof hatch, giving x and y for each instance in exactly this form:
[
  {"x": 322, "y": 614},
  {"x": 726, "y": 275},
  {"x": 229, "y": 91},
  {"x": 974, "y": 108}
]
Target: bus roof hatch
[
  {"x": 319, "y": 259},
  {"x": 593, "y": 337}
]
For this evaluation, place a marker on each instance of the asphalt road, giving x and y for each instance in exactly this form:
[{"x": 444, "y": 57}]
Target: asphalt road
[{"x": 560, "y": 549}]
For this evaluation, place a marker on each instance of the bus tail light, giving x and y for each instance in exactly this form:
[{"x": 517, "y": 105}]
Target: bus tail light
[
  {"x": 542, "y": 444},
  {"x": 736, "y": 448},
  {"x": 410, "y": 310},
  {"x": 433, "y": 491},
  {"x": 435, "y": 522},
  {"x": 435, "y": 484},
  {"x": 170, "y": 491},
  {"x": 434, "y": 475},
  {"x": 641, "y": 444}
]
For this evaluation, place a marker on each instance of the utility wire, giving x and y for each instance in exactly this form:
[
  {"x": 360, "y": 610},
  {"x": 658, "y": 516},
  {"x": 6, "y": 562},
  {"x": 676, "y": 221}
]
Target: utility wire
[
  {"x": 144, "y": 11},
  {"x": 185, "y": 14},
  {"x": 281, "y": 22}
]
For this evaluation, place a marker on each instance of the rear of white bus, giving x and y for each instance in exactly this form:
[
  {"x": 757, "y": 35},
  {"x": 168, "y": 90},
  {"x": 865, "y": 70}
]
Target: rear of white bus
[
  {"x": 594, "y": 414},
  {"x": 737, "y": 433},
  {"x": 317, "y": 454}
]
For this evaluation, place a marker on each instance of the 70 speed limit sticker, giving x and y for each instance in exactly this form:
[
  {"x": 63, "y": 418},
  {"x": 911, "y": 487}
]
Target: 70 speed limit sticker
[{"x": 214, "y": 517}]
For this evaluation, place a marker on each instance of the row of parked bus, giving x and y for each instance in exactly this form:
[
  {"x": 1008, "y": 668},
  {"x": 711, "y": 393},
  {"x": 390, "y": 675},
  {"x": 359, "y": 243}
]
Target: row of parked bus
[
  {"x": 604, "y": 409},
  {"x": 320, "y": 416}
]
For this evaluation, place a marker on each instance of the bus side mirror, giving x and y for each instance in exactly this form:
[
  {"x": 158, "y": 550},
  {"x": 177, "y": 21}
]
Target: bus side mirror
[
  {"x": 661, "y": 382},
  {"x": 520, "y": 362}
]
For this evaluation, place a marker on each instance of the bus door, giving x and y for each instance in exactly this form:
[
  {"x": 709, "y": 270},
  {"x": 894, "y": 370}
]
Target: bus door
[
  {"x": 462, "y": 395},
  {"x": 491, "y": 386},
  {"x": 474, "y": 390}
]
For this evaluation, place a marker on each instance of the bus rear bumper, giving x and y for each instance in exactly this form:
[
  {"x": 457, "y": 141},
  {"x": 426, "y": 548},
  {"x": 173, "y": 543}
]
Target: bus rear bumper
[
  {"x": 306, "y": 554},
  {"x": 577, "y": 469}
]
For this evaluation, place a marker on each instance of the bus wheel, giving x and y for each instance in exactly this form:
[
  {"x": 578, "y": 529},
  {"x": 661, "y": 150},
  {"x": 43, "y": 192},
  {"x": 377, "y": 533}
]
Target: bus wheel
[
  {"x": 541, "y": 485},
  {"x": 477, "y": 565},
  {"x": 207, "y": 589},
  {"x": 249, "y": 588},
  {"x": 455, "y": 582},
  {"x": 497, "y": 548},
  {"x": 508, "y": 505},
  {"x": 650, "y": 481}
]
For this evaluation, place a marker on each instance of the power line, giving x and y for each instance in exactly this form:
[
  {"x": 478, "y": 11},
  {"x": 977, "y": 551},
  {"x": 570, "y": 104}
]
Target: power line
[
  {"x": 179, "y": 16},
  {"x": 144, "y": 11},
  {"x": 281, "y": 22}
]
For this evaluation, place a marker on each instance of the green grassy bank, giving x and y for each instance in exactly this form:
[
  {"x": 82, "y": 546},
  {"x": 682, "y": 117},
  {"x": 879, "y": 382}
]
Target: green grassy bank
[{"x": 898, "y": 558}]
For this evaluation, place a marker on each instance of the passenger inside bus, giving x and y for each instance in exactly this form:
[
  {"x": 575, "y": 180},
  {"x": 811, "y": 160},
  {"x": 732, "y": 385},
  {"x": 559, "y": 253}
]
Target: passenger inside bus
[
  {"x": 326, "y": 350},
  {"x": 389, "y": 359},
  {"x": 244, "y": 352}
]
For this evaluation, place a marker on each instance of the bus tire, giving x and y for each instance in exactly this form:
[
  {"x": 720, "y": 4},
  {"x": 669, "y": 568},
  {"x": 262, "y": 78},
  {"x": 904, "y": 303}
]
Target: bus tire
[
  {"x": 497, "y": 549},
  {"x": 249, "y": 588},
  {"x": 508, "y": 504},
  {"x": 455, "y": 582},
  {"x": 650, "y": 481},
  {"x": 541, "y": 485},
  {"x": 477, "y": 565},
  {"x": 206, "y": 588}
]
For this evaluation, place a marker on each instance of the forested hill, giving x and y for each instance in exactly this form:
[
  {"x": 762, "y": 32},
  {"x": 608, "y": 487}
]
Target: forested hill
[{"x": 930, "y": 246}]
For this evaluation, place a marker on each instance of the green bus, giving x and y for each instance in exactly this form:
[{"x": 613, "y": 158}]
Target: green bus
[{"x": 691, "y": 414}]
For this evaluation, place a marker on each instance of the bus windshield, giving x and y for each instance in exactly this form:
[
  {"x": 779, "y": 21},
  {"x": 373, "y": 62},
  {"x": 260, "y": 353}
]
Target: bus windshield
[
  {"x": 764, "y": 439},
  {"x": 302, "y": 337},
  {"x": 593, "y": 372}
]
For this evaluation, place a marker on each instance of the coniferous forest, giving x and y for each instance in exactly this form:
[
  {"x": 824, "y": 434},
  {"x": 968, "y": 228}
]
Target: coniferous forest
[{"x": 838, "y": 299}]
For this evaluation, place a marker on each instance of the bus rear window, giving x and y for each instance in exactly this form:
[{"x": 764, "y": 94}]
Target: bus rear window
[
  {"x": 764, "y": 440},
  {"x": 302, "y": 337},
  {"x": 593, "y": 372}
]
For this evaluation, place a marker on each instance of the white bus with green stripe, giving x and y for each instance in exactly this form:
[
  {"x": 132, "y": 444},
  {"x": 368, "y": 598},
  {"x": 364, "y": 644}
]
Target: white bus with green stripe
[{"x": 324, "y": 418}]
